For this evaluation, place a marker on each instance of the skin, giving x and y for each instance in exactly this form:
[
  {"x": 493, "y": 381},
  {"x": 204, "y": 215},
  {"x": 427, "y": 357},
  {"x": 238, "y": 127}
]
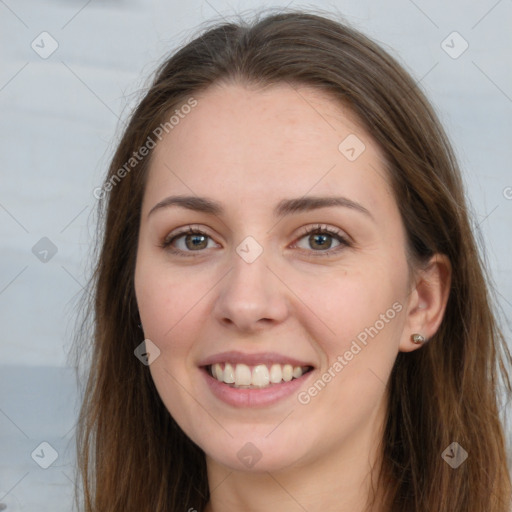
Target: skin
[{"x": 249, "y": 148}]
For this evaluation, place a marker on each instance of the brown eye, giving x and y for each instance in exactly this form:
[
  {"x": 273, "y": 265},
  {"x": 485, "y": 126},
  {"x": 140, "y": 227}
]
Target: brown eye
[
  {"x": 191, "y": 240},
  {"x": 319, "y": 241},
  {"x": 322, "y": 240},
  {"x": 197, "y": 241}
]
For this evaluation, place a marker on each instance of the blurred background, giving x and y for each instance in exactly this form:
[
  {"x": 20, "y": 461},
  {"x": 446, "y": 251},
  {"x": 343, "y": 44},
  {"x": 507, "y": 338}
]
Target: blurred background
[{"x": 72, "y": 70}]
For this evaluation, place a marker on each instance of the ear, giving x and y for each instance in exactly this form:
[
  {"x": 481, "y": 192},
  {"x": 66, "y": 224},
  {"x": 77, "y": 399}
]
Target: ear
[{"x": 427, "y": 301}]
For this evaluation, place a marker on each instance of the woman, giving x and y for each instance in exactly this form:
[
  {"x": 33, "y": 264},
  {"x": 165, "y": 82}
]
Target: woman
[{"x": 285, "y": 227}]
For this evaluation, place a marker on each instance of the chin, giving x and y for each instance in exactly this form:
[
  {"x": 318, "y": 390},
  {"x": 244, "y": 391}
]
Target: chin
[{"x": 254, "y": 454}]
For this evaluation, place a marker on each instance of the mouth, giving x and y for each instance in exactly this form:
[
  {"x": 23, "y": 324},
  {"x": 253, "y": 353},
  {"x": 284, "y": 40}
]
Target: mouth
[
  {"x": 258, "y": 376},
  {"x": 256, "y": 380}
]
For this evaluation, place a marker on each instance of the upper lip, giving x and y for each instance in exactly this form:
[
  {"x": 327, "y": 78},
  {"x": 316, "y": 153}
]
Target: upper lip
[{"x": 235, "y": 357}]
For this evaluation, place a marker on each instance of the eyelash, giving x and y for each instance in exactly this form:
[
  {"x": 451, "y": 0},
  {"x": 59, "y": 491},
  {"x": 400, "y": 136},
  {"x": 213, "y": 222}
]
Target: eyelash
[{"x": 317, "y": 229}]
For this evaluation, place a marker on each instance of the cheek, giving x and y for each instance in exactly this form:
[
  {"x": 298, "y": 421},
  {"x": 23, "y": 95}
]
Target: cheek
[
  {"x": 362, "y": 304},
  {"x": 166, "y": 300},
  {"x": 173, "y": 307},
  {"x": 169, "y": 307},
  {"x": 355, "y": 321}
]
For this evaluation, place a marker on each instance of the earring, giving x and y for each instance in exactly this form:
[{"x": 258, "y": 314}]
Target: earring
[{"x": 417, "y": 338}]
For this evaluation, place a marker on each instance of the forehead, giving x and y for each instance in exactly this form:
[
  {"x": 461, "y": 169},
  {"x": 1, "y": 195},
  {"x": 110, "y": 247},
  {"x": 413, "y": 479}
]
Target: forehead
[{"x": 249, "y": 146}]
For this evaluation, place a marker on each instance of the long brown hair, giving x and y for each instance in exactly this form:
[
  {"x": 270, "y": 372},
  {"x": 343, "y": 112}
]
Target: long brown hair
[{"x": 132, "y": 454}]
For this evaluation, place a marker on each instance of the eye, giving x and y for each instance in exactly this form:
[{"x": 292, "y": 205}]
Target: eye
[
  {"x": 189, "y": 240},
  {"x": 321, "y": 238}
]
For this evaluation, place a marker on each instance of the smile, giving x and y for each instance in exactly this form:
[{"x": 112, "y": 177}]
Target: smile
[{"x": 243, "y": 376}]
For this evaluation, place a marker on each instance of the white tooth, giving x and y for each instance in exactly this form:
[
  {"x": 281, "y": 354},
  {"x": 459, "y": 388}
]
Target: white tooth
[
  {"x": 242, "y": 375},
  {"x": 297, "y": 372},
  {"x": 217, "y": 371},
  {"x": 229, "y": 374},
  {"x": 276, "y": 374},
  {"x": 260, "y": 376},
  {"x": 287, "y": 372}
]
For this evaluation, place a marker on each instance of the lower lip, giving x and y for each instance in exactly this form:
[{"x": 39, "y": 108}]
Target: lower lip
[{"x": 239, "y": 397}]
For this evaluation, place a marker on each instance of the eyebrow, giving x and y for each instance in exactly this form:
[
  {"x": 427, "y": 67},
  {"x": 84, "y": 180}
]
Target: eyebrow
[{"x": 283, "y": 208}]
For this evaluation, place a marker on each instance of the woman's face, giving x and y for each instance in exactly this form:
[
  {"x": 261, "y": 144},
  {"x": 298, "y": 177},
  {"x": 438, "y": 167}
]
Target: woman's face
[{"x": 298, "y": 272}]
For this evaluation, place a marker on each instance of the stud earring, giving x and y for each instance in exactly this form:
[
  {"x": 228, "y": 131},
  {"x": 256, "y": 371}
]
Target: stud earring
[{"x": 417, "y": 338}]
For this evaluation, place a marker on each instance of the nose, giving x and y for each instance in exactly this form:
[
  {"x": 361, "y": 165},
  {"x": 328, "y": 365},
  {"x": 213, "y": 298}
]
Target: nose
[{"x": 252, "y": 296}]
